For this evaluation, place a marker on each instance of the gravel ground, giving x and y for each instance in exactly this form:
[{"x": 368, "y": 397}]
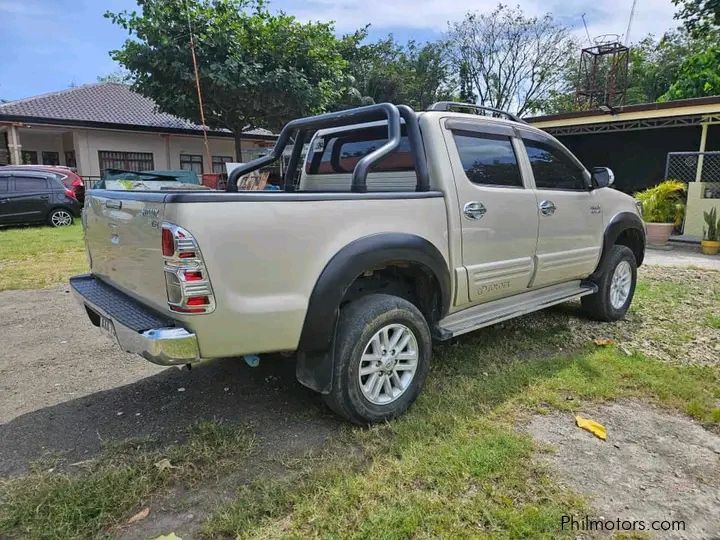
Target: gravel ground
[
  {"x": 65, "y": 390},
  {"x": 655, "y": 465}
]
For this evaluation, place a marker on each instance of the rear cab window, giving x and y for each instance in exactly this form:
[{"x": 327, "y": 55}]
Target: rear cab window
[{"x": 337, "y": 153}]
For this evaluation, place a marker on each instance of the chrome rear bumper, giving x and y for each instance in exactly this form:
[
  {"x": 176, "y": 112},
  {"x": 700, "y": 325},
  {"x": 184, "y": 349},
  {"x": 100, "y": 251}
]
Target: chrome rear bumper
[{"x": 136, "y": 328}]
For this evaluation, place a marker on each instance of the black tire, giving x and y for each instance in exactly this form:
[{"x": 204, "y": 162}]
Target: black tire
[
  {"x": 57, "y": 213},
  {"x": 359, "y": 322},
  {"x": 599, "y": 306}
]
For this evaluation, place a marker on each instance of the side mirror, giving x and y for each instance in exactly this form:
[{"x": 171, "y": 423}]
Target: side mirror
[{"x": 602, "y": 177}]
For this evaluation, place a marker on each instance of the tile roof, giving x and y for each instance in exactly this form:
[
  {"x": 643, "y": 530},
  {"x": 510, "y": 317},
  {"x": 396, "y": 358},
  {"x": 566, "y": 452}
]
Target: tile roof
[{"x": 105, "y": 103}]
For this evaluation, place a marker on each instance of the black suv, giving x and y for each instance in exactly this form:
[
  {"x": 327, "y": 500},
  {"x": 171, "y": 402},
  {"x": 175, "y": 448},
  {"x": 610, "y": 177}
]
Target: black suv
[{"x": 31, "y": 197}]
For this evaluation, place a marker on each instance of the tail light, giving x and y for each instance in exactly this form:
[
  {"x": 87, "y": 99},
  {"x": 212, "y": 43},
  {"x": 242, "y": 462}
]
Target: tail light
[
  {"x": 70, "y": 193},
  {"x": 186, "y": 278}
]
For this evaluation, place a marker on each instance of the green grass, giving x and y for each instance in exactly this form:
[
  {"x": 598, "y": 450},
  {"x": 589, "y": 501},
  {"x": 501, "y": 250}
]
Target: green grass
[
  {"x": 456, "y": 465},
  {"x": 48, "y": 505},
  {"x": 713, "y": 321},
  {"x": 39, "y": 256}
]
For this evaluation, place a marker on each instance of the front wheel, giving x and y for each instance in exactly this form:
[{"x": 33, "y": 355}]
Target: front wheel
[
  {"x": 616, "y": 286},
  {"x": 382, "y": 357}
]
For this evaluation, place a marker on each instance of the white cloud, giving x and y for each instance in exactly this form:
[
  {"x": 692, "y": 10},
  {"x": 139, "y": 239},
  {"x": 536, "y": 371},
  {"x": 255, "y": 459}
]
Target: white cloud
[{"x": 610, "y": 16}]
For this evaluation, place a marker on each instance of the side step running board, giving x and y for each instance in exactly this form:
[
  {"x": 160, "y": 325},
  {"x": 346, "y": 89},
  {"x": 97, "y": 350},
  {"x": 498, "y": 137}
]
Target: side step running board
[{"x": 497, "y": 311}]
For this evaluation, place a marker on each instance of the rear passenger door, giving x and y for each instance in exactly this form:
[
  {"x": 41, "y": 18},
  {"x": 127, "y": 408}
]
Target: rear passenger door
[
  {"x": 498, "y": 209},
  {"x": 571, "y": 225},
  {"x": 29, "y": 198}
]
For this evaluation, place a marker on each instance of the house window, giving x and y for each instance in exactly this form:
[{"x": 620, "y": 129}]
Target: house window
[
  {"x": 29, "y": 157},
  {"x": 127, "y": 161},
  {"x": 70, "y": 159},
  {"x": 218, "y": 163},
  {"x": 51, "y": 158},
  {"x": 191, "y": 162}
]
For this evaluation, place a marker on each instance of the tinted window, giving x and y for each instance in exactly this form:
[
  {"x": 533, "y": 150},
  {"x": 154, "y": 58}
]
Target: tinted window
[
  {"x": 552, "y": 168},
  {"x": 25, "y": 184},
  {"x": 340, "y": 152},
  {"x": 3, "y": 184},
  {"x": 488, "y": 159}
]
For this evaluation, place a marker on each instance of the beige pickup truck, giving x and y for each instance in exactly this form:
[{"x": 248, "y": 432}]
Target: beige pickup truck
[{"x": 397, "y": 229}]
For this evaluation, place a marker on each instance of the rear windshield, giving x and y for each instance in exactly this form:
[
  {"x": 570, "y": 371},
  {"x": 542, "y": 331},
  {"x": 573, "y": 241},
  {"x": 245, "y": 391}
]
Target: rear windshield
[{"x": 339, "y": 152}]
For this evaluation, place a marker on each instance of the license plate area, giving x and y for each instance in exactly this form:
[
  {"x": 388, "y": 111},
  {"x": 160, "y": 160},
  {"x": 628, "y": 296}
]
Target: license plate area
[{"x": 108, "y": 328}]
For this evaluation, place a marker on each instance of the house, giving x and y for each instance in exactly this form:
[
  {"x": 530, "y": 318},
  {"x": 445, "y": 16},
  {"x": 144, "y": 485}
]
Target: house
[
  {"x": 106, "y": 125},
  {"x": 649, "y": 142}
]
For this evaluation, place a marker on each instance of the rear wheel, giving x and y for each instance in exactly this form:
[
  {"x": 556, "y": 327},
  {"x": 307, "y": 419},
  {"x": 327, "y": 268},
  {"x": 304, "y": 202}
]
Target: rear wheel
[
  {"x": 382, "y": 357},
  {"x": 616, "y": 286},
  {"x": 60, "y": 217}
]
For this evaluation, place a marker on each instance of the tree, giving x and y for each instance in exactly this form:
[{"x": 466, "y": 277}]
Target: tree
[
  {"x": 699, "y": 17},
  {"x": 698, "y": 76},
  {"x": 414, "y": 74},
  {"x": 512, "y": 61},
  {"x": 122, "y": 77},
  {"x": 257, "y": 69}
]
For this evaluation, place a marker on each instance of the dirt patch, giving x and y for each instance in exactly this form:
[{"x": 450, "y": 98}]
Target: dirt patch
[
  {"x": 668, "y": 319},
  {"x": 655, "y": 465}
]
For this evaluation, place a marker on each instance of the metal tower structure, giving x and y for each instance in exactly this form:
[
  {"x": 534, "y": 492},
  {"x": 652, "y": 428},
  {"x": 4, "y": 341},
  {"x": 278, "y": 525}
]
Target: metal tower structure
[{"x": 603, "y": 75}]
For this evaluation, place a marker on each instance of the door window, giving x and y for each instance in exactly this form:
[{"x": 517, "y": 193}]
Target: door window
[
  {"x": 553, "y": 169},
  {"x": 3, "y": 185},
  {"x": 24, "y": 184},
  {"x": 488, "y": 159}
]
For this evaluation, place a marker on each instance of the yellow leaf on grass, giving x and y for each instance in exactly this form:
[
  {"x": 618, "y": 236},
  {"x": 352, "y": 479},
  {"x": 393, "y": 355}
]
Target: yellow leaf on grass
[
  {"x": 592, "y": 426},
  {"x": 603, "y": 342},
  {"x": 165, "y": 464},
  {"x": 142, "y": 514},
  {"x": 171, "y": 536}
]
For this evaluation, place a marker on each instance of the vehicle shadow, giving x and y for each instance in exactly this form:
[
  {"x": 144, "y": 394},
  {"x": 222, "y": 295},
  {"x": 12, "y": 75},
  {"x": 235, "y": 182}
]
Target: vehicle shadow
[{"x": 283, "y": 414}]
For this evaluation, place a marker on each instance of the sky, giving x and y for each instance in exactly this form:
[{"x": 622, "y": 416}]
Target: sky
[{"x": 49, "y": 45}]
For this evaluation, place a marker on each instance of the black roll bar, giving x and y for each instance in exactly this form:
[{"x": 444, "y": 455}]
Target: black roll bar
[{"x": 368, "y": 113}]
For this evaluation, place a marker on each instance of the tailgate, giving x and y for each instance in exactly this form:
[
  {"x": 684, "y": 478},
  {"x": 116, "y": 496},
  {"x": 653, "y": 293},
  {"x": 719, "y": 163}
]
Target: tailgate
[{"x": 123, "y": 237}]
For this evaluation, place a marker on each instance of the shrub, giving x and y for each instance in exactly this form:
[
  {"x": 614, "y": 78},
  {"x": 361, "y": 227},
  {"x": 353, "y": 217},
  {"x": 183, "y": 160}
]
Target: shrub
[{"x": 664, "y": 203}]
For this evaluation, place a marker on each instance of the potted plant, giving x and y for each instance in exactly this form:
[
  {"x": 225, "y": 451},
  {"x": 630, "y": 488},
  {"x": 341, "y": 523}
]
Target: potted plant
[
  {"x": 663, "y": 208},
  {"x": 710, "y": 244}
]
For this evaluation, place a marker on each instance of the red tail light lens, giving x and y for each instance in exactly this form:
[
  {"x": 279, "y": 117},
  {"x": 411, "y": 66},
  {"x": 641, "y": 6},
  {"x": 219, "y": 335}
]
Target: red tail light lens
[
  {"x": 198, "y": 301},
  {"x": 70, "y": 193},
  {"x": 168, "y": 243},
  {"x": 192, "y": 275}
]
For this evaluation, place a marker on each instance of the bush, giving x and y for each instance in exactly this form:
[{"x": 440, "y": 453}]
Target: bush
[{"x": 664, "y": 203}]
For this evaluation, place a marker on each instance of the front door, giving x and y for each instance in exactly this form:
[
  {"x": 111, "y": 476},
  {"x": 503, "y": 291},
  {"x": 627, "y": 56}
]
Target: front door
[
  {"x": 571, "y": 222},
  {"x": 498, "y": 209}
]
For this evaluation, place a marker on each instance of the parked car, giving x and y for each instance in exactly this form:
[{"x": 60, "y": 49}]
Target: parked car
[
  {"x": 66, "y": 175},
  {"x": 403, "y": 228},
  {"x": 28, "y": 196}
]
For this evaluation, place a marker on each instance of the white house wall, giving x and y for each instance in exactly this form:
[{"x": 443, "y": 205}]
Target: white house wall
[{"x": 166, "y": 149}]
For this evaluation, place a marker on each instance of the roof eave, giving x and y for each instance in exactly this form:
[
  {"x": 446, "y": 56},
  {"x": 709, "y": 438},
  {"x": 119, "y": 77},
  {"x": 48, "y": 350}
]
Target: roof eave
[{"x": 125, "y": 127}]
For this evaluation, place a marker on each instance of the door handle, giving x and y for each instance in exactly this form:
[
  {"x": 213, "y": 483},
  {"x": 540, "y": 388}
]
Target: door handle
[
  {"x": 547, "y": 208},
  {"x": 474, "y": 210},
  {"x": 45, "y": 197}
]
